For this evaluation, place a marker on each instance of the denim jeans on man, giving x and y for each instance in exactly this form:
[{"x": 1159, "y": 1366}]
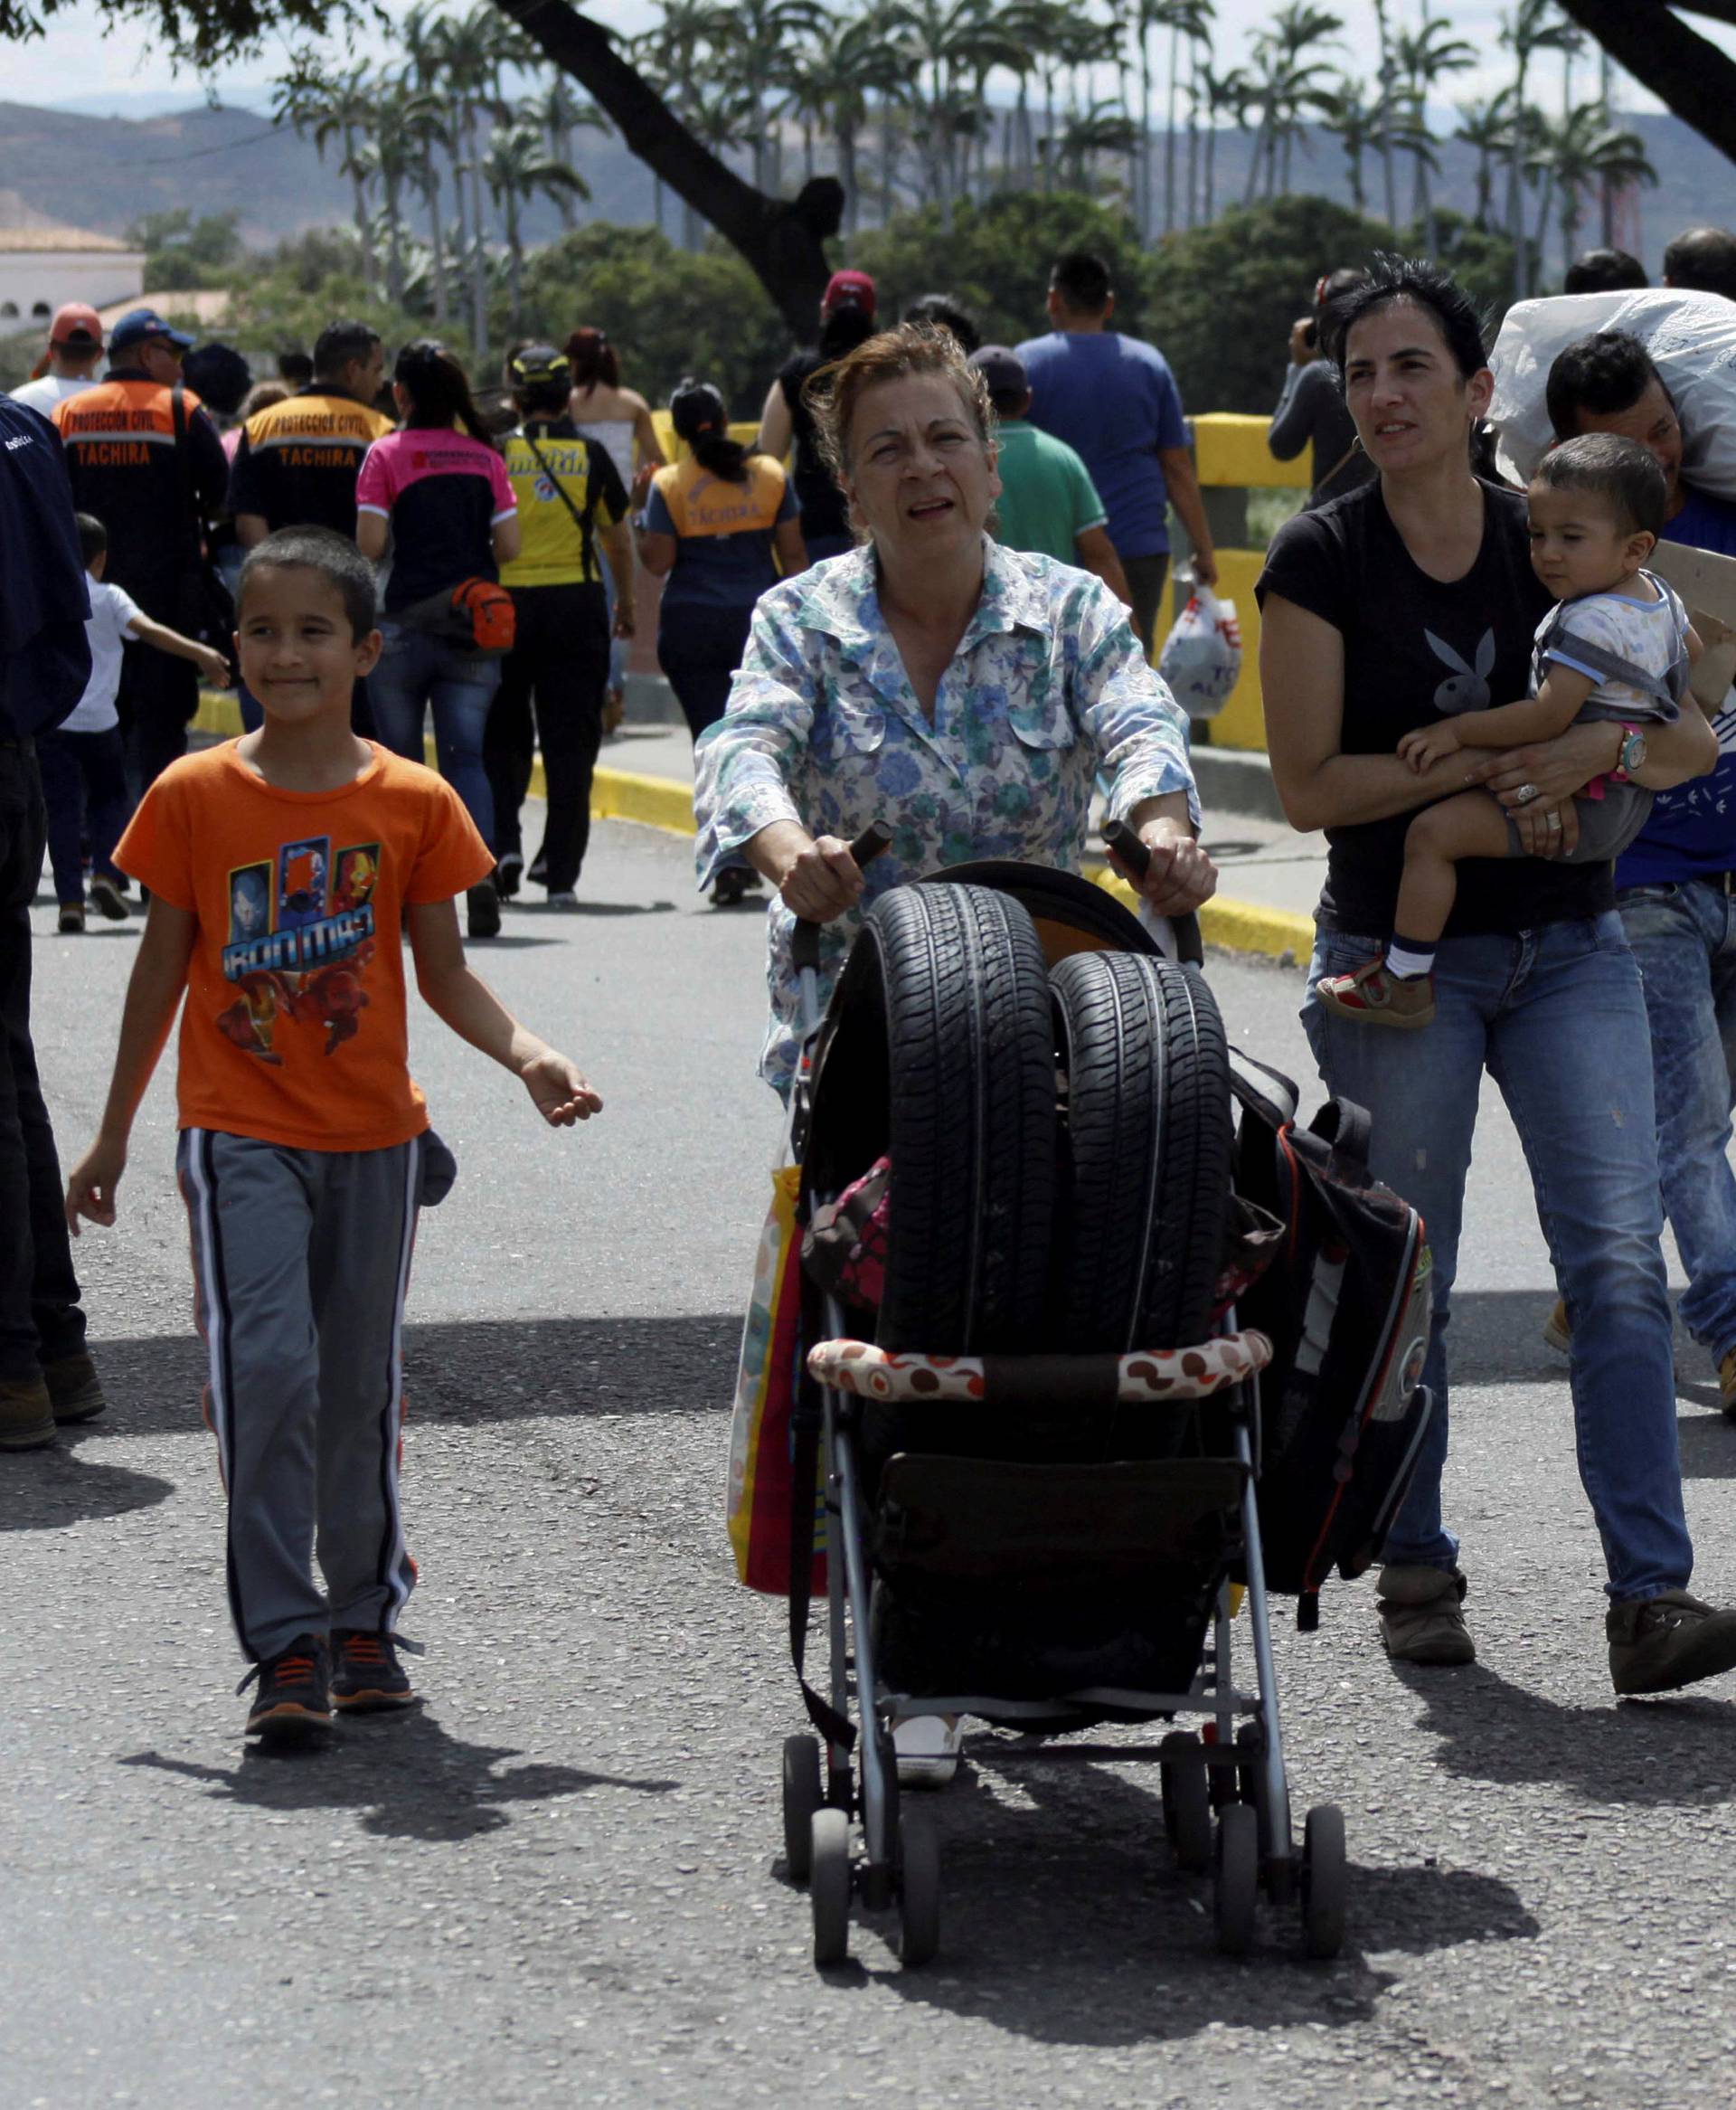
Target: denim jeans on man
[
  {"x": 40, "y": 1319},
  {"x": 1683, "y": 936},
  {"x": 1557, "y": 1017},
  {"x": 416, "y": 672}
]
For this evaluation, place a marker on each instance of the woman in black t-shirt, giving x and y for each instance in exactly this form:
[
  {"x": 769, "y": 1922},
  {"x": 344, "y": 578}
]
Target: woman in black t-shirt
[
  {"x": 847, "y": 320},
  {"x": 1411, "y": 598}
]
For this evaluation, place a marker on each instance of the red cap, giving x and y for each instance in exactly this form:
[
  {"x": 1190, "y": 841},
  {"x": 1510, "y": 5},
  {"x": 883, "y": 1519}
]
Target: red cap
[
  {"x": 75, "y": 325},
  {"x": 849, "y": 290}
]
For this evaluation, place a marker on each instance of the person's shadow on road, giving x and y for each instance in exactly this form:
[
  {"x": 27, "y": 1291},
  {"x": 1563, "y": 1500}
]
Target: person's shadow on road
[
  {"x": 408, "y": 1775},
  {"x": 1670, "y": 1750},
  {"x": 49, "y": 1489}
]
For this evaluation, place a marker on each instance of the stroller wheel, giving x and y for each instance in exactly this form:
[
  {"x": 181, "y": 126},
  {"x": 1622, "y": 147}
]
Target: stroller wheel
[
  {"x": 1326, "y": 1881},
  {"x": 919, "y": 1889},
  {"x": 1187, "y": 1801},
  {"x": 803, "y": 1795},
  {"x": 1237, "y": 1894},
  {"x": 829, "y": 1887}
]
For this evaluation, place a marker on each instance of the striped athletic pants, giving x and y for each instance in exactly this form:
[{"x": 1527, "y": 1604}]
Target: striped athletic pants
[{"x": 301, "y": 1262}]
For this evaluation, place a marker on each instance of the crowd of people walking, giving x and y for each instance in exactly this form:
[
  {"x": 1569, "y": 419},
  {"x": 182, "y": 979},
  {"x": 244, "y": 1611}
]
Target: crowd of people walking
[{"x": 929, "y": 592}]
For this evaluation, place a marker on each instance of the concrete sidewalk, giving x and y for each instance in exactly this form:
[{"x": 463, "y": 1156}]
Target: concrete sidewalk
[{"x": 1270, "y": 875}]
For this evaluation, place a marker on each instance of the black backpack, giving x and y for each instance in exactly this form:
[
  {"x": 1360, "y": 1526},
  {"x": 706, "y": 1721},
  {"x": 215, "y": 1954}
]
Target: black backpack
[{"x": 1346, "y": 1304}]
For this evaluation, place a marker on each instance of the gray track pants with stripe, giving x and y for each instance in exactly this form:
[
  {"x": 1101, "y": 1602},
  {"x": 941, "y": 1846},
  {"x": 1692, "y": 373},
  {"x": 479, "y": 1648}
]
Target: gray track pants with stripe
[{"x": 302, "y": 1260}]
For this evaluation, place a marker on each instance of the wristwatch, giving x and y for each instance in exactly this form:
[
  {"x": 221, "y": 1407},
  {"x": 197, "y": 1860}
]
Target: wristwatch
[{"x": 1631, "y": 756}]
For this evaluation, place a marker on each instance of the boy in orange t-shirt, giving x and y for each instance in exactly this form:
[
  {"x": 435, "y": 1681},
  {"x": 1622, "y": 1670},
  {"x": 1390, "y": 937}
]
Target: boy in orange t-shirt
[{"x": 282, "y": 867}]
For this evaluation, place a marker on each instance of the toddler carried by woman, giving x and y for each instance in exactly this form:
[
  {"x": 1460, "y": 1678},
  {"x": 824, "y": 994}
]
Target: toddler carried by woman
[{"x": 1618, "y": 648}]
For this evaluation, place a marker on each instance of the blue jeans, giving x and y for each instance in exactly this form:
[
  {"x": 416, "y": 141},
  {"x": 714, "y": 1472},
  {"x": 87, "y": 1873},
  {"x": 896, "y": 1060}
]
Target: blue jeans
[
  {"x": 416, "y": 671},
  {"x": 1684, "y": 937},
  {"x": 1558, "y": 1018}
]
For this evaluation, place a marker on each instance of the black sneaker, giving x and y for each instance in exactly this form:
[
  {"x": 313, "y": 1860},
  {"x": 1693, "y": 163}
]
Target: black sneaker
[
  {"x": 294, "y": 1702},
  {"x": 482, "y": 907},
  {"x": 71, "y": 918},
  {"x": 367, "y": 1678},
  {"x": 1667, "y": 1641},
  {"x": 105, "y": 897},
  {"x": 508, "y": 873}
]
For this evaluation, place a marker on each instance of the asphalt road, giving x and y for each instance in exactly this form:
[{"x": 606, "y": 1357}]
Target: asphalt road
[{"x": 560, "y": 1883}]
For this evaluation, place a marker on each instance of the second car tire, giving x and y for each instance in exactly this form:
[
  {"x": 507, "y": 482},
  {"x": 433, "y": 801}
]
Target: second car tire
[{"x": 1145, "y": 1179}]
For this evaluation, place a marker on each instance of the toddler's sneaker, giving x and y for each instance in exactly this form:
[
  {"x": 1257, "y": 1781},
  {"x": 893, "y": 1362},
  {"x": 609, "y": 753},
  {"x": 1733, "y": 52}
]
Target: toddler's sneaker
[
  {"x": 927, "y": 1749},
  {"x": 1372, "y": 996},
  {"x": 106, "y": 897},
  {"x": 294, "y": 1702},
  {"x": 71, "y": 918},
  {"x": 367, "y": 1678},
  {"x": 1558, "y": 1331}
]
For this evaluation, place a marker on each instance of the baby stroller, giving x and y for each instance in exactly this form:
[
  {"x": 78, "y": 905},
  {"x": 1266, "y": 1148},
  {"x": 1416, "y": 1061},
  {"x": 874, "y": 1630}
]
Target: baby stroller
[{"x": 1040, "y": 1451}]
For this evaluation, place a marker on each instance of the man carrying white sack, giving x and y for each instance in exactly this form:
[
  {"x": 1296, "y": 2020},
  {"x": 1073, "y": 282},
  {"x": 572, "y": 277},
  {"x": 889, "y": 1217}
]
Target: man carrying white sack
[{"x": 1676, "y": 883}]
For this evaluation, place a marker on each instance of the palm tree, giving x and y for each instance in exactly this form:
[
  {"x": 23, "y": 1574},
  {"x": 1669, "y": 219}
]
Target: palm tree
[
  {"x": 1197, "y": 31},
  {"x": 1389, "y": 80},
  {"x": 1285, "y": 82},
  {"x": 1531, "y": 28},
  {"x": 334, "y": 106},
  {"x": 1483, "y": 126},
  {"x": 949, "y": 44},
  {"x": 404, "y": 120},
  {"x": 755, "y": 36},
  {"x": 1357, "y": 121},
  {"x": 1229, "y": 94},
  {"x": 1426, "y": 56},
  {"x": 1582, "y": 149},
  {"x": 1184, "y": 19},
  {"x": 557, "y": 113},
  {"x": 420, "y": 36},
  {"x": 1102, "y": 129},
  {"x": 851, "y": 57},
  {"x": 518, "y": 167},
  {"x": 469, "y": 45}
]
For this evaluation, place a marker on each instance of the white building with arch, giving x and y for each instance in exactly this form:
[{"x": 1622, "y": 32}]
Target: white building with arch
[{"x": 40, "y": 268}]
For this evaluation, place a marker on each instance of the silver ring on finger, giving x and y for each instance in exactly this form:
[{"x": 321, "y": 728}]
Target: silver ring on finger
[{"x": 1526, "y": 793}]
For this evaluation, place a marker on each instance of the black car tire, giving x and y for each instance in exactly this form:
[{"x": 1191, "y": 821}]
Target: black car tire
[{"x": 1145, "y": 1161}]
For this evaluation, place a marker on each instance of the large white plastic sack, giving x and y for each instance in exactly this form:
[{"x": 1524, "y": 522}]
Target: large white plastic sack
[
  {"x": 1692, "y": 338},
  {"x": 1202, "y": 656}
]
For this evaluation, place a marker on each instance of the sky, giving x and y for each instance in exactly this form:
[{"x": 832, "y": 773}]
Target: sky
[{"x": 76, "y": 64}]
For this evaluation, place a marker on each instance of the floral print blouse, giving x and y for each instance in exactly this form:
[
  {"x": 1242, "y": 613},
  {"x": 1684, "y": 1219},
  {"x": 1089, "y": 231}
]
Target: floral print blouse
[{"x": 1048, "y": 687}]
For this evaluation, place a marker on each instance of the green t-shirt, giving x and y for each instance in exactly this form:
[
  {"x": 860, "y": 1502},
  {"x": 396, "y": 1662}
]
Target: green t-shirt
[{"x": 1049, "y": 499}]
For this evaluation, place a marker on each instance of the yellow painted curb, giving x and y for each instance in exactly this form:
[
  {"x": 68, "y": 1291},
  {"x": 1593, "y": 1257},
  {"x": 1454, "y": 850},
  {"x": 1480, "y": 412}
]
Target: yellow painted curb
[
  {"x": 662, "y": 802},
  {"x": 1238, "y": 926},
  {"x": 666, "y": 802}
]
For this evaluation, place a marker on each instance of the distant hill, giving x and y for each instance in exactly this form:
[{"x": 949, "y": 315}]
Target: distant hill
[{"x": 102, "y": 172}]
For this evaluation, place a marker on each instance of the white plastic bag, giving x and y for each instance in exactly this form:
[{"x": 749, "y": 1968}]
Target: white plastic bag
[
  {"x": 1202, "y": 656},
  {"x": 1692, "y": 338}
]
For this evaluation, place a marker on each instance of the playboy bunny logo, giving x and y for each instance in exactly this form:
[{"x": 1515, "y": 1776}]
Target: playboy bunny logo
[{"x": 1466, "y": 688}]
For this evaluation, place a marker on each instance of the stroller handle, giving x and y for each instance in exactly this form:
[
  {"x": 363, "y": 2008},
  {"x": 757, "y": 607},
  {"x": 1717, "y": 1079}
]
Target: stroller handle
[
  {"x": 1190, "y": 947},
  {"x": 805, "y": 941}
]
